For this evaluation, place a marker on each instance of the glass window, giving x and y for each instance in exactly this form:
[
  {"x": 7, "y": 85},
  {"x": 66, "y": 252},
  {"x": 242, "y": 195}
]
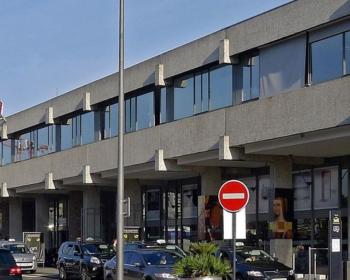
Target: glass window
[
  {"x": 264, "y": 189},
  {"x": 145, "y": 110},
  {"x": 153, "y": 205},
  {"x": 163, "y": 105},
  {"x": 6, "y": 157},
  {"x": 76, "y": 130},
  {"x": 220, "y": 81},
  {"x": 251, "y": 185},
  {"x": 326, "y": 193},
  {"x": 201, "y": 92},
  {"x": 344, "y": 188},
  {"x": 327, "y": 59},
  {"x": 183, "y": 97},
  {"x": 43, "y": 146},
  {"x": 66, "y": 135},
  {"x": 302, "y": 190},
  {"x": 347, "y": 53},
  {"x": 251, "y": 79},
  {"x": 303, "y": 228},
  {"x": 87, "y": 128},
  {"x": 111, "y": 121},
  {"x": 24, "y": 147}
]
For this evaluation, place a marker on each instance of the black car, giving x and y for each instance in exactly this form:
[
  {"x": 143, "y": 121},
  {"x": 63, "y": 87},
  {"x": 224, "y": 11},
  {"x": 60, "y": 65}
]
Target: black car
[
  {"x": 252, "y": 263},
  {"x": 148, "y": 264},
  {"x": 83, "y": 259},
  {"x": 141, "y": 245},
  {"x": 8, "y": 268}
]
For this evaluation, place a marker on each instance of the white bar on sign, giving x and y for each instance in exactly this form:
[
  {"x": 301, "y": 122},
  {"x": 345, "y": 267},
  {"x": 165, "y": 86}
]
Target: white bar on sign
[
  {"x": 240, "y": 224},
  {"x": 233, "y": 196}
]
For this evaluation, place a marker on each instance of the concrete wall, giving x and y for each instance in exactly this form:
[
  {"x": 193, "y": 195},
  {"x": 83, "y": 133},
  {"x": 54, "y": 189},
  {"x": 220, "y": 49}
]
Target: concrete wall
[
  {"x": 252, "y": 33},
  {"x": 75, "y": 204}
]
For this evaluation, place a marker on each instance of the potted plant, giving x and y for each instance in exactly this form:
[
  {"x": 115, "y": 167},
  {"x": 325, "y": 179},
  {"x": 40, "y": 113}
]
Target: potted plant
[{"x": 202, "y": 264}]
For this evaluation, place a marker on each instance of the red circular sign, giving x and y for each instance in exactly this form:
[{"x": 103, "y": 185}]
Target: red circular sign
[{"x": 233, "y": 196}]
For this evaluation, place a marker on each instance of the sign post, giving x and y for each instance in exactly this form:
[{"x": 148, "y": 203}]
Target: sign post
[
  {"x": 233, "y": 196},
  {"x": 335, "y": 245}
]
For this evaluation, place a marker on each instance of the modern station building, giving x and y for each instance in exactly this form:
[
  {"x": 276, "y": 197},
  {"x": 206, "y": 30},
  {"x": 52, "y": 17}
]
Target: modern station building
[{"x": 266, "y": 101}]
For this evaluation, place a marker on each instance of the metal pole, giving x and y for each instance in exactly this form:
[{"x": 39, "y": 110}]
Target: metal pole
[
  {"x": 120, "y": 188},
  {"x": 310, "y": 262},
  {"x": 234, "y": 246},
  {"x": 315, "y": 266}
]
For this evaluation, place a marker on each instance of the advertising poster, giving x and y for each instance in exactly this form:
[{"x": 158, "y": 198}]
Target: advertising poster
[
  {"x": 210, "y": 218},
  {"x": 35, "y": 242},
  {"x": 282, "y": 207}
]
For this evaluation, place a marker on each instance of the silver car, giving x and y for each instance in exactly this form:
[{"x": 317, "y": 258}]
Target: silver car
[{"x": 24, "y": 258}]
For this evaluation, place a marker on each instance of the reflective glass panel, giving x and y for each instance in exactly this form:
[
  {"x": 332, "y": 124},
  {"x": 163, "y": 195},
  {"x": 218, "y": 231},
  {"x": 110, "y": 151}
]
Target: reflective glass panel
[
  {"x": 127, "y": 116},
  {"x": 220, "y": 87},
  {"x": 6, "y": 152},
  {"x": 264, "y": 189},
  {"x": 326, "y": 194},
  {"x": 87, "y": 128},
  {"x": 145, "y": 110},
  {"x": 327, "y": 59},
  {"x": 66, "y": 135},
  {"x": 250, "y": 182},
  {"x": 302, "y": 190},
  {"x": 183, "y": 97},
  {"x": 246, "y": 83},
  {"x": 198, "y": 93},
  {"x": 24, "y": 147},
  {"x": 43, "y": 141},
  {"x": 344, "y": 187},
  {"x": 255, "y": 84},
  {"x": 347, "y": 53},
  {"x": 111, "y": 121},
  {"x": 205, "y": 91},
  {"x": 163, "y": 100}
]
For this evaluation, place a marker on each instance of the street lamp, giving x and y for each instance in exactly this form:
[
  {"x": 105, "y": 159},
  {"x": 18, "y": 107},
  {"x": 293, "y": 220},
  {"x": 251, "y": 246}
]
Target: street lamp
[{"x": 120, "y": 188}]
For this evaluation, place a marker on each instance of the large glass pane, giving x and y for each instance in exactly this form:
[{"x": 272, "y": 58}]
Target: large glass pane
[
  {"x": 347, "y": 53},
  {"x": 302, "y": 190},
  {"x": 344, "y": 188},
  {"x": 87, "y": 128},
  {"x": 66, "y": 135},
  {"x": 145, "y": 110},
  {"x": 189, "y": 213},
  {"x": 205, "y": 91},
  {"x": 327, "y": 59},
  {"x": 264, "y": 190},
  {"x": 43, "y": 141},
  {"x": 163, "y": 100},
  {"x": 24, "y": 147},
  {"x": 326, "y": 194},
  {"x": 246, "y": 83},
  {"x": 127, "y": 116},
  {"x": 133, "y": 114},
  {"x": 114, "y": 111},
  {"x": 6, "y": 152},
  {"x": 220, "y": 87},
  {"x": 52, "y": 138},
  {"x": 255, "y": 86},
  {"x": 183, "y": 97},
  {"x": 198, "y": 93},
  {"x": 250, "y": 182},
  {"x": 303, "y": 229}
]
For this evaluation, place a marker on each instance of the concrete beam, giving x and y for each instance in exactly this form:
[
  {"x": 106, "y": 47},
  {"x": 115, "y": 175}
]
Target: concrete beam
[
  {"x": 49, "y": 116},
  {"x": 4, "y": 191},
  {"x": 162, "y": 164},
  {"x": 86, "y": 102},
  {"x": 197, "y": 158},
  {"x": 224, "y": 52},
  {"x": 3, "y": 128},
  {"x": 159, "y": 75}
]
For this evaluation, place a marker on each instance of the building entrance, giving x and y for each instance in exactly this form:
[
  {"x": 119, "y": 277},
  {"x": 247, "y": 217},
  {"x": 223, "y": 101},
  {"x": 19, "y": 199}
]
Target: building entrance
[{"x": 57, "y": 228}]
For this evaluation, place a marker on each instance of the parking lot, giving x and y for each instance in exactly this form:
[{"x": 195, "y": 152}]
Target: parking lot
[{"x": 42, "y": 273}]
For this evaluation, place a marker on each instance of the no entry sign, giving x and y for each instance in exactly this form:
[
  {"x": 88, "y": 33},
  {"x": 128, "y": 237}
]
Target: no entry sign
[{"x": 233, "y": 196}]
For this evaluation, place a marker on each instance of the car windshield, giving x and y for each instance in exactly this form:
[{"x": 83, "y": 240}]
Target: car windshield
[
  {"x": 91, "y": 249},
  {"x": 160, "y": 258},
  {"x": 254, "y": 255},
  {"x": 6, "y": 259},
  {"x": 17, "y": 248}
]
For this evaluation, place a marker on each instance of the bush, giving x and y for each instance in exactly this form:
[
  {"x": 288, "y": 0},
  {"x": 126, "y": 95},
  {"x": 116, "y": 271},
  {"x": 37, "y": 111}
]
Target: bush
[{"x": 201, "y": 263}]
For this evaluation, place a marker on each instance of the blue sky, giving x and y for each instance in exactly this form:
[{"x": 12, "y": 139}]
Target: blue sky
[{"x": 49, "y": 47}]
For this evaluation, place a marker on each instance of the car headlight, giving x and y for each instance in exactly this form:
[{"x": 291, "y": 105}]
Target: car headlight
[
  {"x": 291, "y": 272},
  {"x": 164, "y": 275},
  {"x": 95, "y": 260},
  {"x": 255, "y": 273}
]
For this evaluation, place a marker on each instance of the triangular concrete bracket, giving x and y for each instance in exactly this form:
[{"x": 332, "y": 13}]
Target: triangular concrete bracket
[
  {"x": 3, "y": 128},
  {"x": 227, "y": 153},
  {"x": 4, "y": 191},
  {"x": 49, "y": 183},
  {"x": 49, "y": 116},
  {"x": 159, "y": 75},
  {"x": 86, "y": 102},
  {"x": 162, "y": 164},
  {"x": 87, "y": 179}
]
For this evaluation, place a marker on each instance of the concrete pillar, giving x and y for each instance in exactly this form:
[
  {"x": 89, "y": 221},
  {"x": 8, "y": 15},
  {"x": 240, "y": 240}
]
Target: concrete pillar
[
  {"x": 91, "y": 213},
  {"x": 42, "y": 216},
  {"x": 281, "y": 178},
  {"x": 75, "y": 204},
  {"x": 4, "y": 210},
  {"x": 133, "y": 190},
  {"x": 15, "y": 218},
  {"x": 211, "y": 181}
]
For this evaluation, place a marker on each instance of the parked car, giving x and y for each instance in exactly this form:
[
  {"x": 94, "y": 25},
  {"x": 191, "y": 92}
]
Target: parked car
[
  {"x": 252, "y": 263},
  {"x": 24, "y": 258},
  {"x": 83, "y": 259},
  {"x": 8, "y": 268},
  {"x": 141, "y": 245},
  {"x": 148, "y": 264}
]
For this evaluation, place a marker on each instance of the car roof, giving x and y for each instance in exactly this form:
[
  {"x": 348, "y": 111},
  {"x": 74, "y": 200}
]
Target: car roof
[
  {"x": 149, "y": 250},
  {"x": 5, "y": 242}
]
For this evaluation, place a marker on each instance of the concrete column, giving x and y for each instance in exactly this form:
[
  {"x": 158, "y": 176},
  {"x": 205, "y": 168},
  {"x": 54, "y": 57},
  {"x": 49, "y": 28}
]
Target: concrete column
[
  {"x": 133, "y": 190},
  {"x": 15, "y": 217},
  {"x": 75, "y": 204},
  {"x": 4, "y": 210},
  {"x": 211, "y": 181},
  {"x": 91, "y": 214},
  {"x": 42, "y": 216},
  {"x": 281, "y": 178}
]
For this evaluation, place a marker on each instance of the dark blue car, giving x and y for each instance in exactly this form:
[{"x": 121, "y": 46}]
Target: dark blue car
[{"x": 255, "y": 264}]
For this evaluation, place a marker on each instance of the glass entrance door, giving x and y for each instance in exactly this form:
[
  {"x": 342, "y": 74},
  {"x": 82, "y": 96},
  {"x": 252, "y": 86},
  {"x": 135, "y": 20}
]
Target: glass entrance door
[{"x": 58, "y": 229}]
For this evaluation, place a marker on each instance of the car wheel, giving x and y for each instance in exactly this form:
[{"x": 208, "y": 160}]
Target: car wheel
[
  {"x": 33, "y": 271},
  {"x": 85, "y": 274},
  {"x": 62, "y": 273},
  {"x": 239, "y": 277}
]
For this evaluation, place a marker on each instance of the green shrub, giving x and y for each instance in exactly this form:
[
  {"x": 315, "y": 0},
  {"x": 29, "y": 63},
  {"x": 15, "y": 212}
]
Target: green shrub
[{"x": 201, "y": 263}]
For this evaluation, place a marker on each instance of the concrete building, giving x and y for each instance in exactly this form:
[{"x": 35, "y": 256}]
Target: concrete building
[{"x": 265, "y": 101}]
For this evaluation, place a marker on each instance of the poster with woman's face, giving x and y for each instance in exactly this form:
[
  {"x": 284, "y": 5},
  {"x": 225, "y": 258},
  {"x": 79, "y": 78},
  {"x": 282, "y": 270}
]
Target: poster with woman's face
[
  {"x": 282, "y": 225},
  {"x": 210, "y": 218}
]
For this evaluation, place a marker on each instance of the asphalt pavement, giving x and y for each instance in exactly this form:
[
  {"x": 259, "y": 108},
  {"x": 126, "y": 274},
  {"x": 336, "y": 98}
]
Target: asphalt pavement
[{"x": 42, "y": 273}]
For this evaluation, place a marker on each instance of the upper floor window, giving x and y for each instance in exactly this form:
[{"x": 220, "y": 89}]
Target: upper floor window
[
  {"x": 183, "y": 97},
  {"x": 5, "y": 152},
  {"x": 251, "y": 79},
  {"x": 220, "y": 87},
  {"x": 139, "y": 112},
  {"x": 327, "y": 59},
  {"x": 347, "y": 53},
  {"x": 110, "y": 121}
]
